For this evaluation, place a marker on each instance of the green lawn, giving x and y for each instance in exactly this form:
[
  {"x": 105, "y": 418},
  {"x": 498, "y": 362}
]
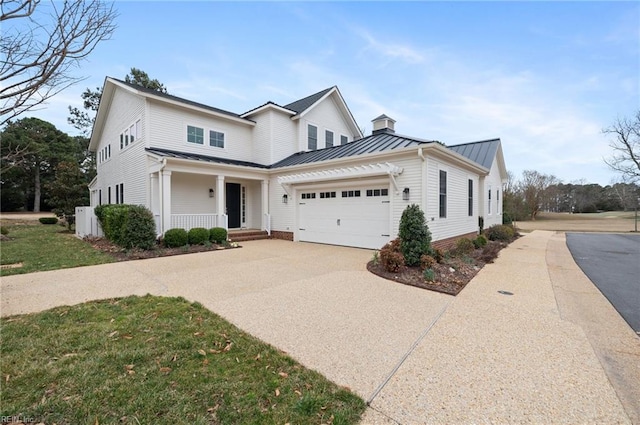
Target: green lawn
[
  {"x": 154, "y": 360},
  {"x": 42, "y": 247}
]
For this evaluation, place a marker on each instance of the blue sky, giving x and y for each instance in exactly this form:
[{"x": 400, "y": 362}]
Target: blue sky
[{"x": 545, "y": 77}]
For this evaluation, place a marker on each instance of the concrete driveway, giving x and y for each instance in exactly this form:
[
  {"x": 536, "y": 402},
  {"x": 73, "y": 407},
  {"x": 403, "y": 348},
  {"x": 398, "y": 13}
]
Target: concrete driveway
[
  {"x": 416, "y": 356},
  {"x": 316, "y": 302}
]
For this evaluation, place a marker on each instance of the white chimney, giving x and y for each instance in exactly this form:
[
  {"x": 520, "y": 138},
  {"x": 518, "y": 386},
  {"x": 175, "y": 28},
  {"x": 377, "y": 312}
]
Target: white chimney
[{"x": 383, "y": 124}]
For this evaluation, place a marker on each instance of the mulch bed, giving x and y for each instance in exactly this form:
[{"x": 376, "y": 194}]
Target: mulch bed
[
  {"x": 121, "y": 254},
  {"x": 451, "y": 275}
]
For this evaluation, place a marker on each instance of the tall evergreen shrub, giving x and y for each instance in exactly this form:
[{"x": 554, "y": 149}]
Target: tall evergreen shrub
[{"x": 414, "y": 235}]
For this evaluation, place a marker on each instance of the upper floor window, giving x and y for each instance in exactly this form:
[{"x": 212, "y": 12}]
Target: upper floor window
[
  {"x": 130, "y": 134},
  {"x": 443, "y": 194},
  {"x": 344, "y": 140},
  {"x": 195, "y": 135},
  {"x": 312, "y": 134},
  {"x": 328, "y": 137},
  {"x": 104, "y": 153},
  {"x": 216, "y": 139}
]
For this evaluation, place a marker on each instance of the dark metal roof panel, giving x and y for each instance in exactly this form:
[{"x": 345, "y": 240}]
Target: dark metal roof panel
[
  {"x": 370, "y": 144},
  {"x": 180, "y": 99},
  {"x": 482, "y": 152},
  {"x": 204, "y": 158},
  {"x": 301, "y": 105}
]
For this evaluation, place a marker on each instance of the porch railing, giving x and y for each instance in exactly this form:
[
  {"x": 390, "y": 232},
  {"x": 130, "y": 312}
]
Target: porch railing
[{"x": 189, "y": 221}]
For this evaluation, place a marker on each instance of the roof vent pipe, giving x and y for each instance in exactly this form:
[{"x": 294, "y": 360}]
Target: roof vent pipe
[{"x": 383, "y": 124}]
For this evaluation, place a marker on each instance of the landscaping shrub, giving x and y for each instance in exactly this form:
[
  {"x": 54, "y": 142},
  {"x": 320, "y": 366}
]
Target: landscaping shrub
[
  {"x": 414, "y": 235},
  {"x": 490, "y": 252},
  {"x": 129, "y": 226},
  {"x": 198, "y": 236},
  {"x": 138, "y": 228},
  {"x": 480, "y": 241},
  {"x": 437, "y": 255},
  {"x": 112, "y": 218},
  {"x": 218, "y": 235},
  {"x": 390, "y": 256},
  {"x": 506, "y": 218},
  {"x": 464, "y": 246},
  {"x": 429, "y": 275},
  {"x": 48, "y": 220},
  {"x": 4, "y": 230},
  {"x": 174, "y": 238},
  {"x": 427, "y": 262},
  {"x": 500, "y": 232}
]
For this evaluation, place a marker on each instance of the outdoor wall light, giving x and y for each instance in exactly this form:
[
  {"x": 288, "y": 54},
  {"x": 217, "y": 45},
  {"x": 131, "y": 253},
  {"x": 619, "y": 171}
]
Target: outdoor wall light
[
  {"x": 285, "y": 199},
  {"x": 210, "y": 193},
  {"x": 405, "y": 194}
]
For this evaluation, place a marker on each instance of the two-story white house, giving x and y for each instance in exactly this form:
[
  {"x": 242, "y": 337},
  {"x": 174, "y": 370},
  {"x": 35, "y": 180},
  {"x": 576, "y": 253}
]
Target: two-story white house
[{"x": 302, "y": 171}]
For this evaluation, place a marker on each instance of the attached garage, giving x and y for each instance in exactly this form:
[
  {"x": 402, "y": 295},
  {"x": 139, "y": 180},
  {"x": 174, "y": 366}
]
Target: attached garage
[{"x": 352, "y": 215}]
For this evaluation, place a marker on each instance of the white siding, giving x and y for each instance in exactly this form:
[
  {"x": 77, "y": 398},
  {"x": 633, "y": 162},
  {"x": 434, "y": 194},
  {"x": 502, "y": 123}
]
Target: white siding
[
  {"x": 190, "y": 194},
  {"x": 282, "y": 215},
  {"x": 125, "y": 166},
  {"x": 457, "y": 220},
  {"x": 411, "y": 178},
  {"x": 326, "y": 116},
  {"x": 493, "y": 180},
  {"x": 274, "y": 137},
  {"x": 169, "y": 125}
]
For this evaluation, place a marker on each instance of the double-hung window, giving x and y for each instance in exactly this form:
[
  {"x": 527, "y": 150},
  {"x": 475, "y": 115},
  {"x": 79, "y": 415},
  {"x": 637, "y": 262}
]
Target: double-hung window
[
  {"x": 216, "y": 139},
  {"x": 328, "y": 137},
  {"x": 443, "y": 194},
  {"x": 312, "y": 134},
  {"x": 195, "y": 135},
  {"x": 489, "y": 211}
]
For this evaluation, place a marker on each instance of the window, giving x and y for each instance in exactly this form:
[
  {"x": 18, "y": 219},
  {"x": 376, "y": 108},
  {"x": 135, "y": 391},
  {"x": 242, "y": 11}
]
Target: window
[
  {"x": 244, "y": 204},
  {"x": 99, "y": 196},
  {"x": 126, "y": 138},
  {"x": 195, "y": 135},
  {"x": 351, "y": 194},
  {"x": 489, "y": 211},
  {"x": 117, "y": 194},
  {"x": 308, "y": 196},
  {"x": 344, "y": 140},
  {"x": 121, "y": 141},
  {"x": 216, "y": 139},
  {"x": 328, "y": 137},
  {"x": 377, "y": 192},
  {"x": 497, "y": 201},
  {"x": 312, "y": 132},
  {"x": 443, "y": 194},
  {"x": 109, "y": 195},
  {"x": 120, "y": 193},
  {"x": 326, "y": 195},
  {"x": 470, "y": 198},
  {"x": 130, "y": 135}
]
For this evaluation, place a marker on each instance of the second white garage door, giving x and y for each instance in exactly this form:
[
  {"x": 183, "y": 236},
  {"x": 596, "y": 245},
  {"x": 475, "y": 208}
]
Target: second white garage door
[{"x": 351, "y": 216}]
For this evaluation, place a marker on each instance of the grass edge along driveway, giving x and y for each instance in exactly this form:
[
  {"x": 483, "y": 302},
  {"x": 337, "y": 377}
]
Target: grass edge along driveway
[{"x": 156, "y": 360}]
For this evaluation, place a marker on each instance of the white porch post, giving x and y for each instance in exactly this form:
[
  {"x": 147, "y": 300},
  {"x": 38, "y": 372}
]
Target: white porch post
[
  {"x": 154, "y": 199},
  {"x": 220, "y": 195},
  {"x": 166, "y": 200},
  {"x": 265, "y": 203}
]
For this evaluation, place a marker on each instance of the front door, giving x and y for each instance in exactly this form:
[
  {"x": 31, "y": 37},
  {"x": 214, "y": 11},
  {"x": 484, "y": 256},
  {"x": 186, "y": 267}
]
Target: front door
[{"x": 233, "y": 205}]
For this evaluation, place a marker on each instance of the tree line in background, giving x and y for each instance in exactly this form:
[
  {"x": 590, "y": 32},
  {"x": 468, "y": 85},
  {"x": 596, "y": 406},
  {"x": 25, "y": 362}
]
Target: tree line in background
[
  {"x": 523, "y": 199},
  {"x": 45, "y": 169}
]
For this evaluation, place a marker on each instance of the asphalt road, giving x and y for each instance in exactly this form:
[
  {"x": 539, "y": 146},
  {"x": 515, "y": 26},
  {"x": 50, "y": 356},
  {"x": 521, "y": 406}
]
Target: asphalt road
[{"x": 612, "y": 263}]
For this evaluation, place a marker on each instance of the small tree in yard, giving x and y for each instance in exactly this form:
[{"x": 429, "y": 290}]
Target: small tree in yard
[
  {"x": 414, "y": 235},
  {"x": 67, "y": 191}
]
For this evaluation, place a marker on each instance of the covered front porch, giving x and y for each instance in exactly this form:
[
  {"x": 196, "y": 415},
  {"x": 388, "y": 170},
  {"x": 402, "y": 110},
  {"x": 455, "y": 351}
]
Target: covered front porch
[{"x": 187, "y": 196}]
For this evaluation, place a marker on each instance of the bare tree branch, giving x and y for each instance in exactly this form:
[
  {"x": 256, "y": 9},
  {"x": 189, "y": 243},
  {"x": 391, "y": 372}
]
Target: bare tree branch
[
  {"x": 40, "y": 61},
  {"x": 625, "y": 158}
]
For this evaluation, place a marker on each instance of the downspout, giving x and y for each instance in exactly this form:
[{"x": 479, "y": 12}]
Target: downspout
[{"x": 421, "y": 155}]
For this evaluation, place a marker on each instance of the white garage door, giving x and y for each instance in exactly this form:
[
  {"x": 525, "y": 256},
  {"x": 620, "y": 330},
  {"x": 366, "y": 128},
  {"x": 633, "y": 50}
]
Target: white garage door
[{"x": 351, "y": 216}]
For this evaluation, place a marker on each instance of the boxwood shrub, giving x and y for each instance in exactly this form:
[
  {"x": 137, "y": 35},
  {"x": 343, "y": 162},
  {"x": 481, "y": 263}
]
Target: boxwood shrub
[
  {"x": 48, "y": 220},
  {"x": 174, "y": 238},
  {"x": 198, "y": 236},
  {"x": 218, "y": 234},
  {"x": 500, "y": 232},
  {"x": 129, "y": 226}
]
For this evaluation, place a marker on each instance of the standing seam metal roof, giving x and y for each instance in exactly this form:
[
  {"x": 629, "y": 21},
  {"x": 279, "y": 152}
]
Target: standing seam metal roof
[
  {"x": 370, "y": 144},
  {"x": 481, "y": 152}
]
